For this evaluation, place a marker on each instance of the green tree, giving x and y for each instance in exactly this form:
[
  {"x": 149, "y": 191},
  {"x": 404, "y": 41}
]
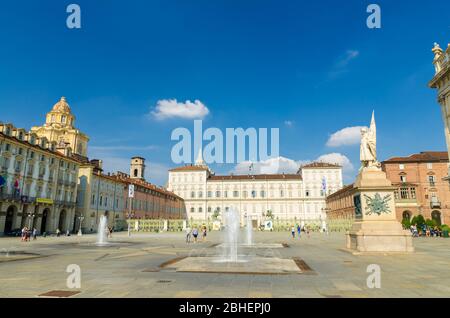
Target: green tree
[
  {"x": 406, "y": 223},
  {"x": 418, "y": 220}
]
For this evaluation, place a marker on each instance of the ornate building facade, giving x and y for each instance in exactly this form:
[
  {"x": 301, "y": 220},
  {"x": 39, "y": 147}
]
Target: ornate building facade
[
  {"x": 441, "y": 82},
  {"x": 99, "y": 194},
  {"x": 38, "y": 182},
  {"x": 59, "y": 127},
  {"x": 420, "y": 189},
  {"x": 298, "y": 196}
]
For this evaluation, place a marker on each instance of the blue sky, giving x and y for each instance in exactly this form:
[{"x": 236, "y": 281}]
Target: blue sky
[{"x": 310, "y": 68}]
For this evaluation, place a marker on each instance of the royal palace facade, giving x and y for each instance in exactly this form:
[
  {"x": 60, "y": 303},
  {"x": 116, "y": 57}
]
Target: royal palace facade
[{"x": 299, "y": 196}]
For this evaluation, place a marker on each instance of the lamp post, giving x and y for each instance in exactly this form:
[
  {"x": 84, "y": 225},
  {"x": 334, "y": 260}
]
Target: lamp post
[
  {"x": 80, "y": 219},
  {"x": 31, "y": 216}
]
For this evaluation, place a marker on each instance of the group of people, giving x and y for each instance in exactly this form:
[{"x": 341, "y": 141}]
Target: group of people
[
  {"x": 194, "y": 232},
  {"x": 425, "y": 230},
  {"x": 299, "y": 230},
  {"x": 27, "y": 233}
]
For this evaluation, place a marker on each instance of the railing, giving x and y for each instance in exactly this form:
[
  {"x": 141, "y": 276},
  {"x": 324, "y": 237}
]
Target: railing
[
  {"x": 16, "y": 197},
  {"x": 65, "y": 203}
]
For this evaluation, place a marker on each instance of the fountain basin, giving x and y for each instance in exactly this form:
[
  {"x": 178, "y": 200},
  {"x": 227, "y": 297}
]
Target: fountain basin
[
  {"x": 255, "y": 245},
  {"x": 255, "y": 265}
]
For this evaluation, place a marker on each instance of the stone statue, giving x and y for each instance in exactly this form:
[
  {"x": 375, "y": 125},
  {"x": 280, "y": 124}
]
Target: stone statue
[{"x": 368, "y": 149}]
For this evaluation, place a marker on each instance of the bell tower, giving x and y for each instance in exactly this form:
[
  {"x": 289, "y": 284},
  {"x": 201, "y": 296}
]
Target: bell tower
[{"x": 137, "y": 168}]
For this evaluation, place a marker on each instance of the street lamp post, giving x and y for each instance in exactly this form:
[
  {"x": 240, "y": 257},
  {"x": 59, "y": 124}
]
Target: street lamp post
[
  {"x": 80, "y": 219},
  {"x": 31, "y": 216}
]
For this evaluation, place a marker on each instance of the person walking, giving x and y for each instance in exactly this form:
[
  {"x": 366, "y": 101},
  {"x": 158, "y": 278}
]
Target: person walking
[
  {"x": 23, "y": 233},
  {"x": 204, "y": 233},
  {"x": 299, "y": 230},
  {"x": 34, "y": 234},
  {"x": 293, "y": 232},
  {"x": 188, "y": 235},
  {"x": 27, "y": 234},
  {"x": 307, "y": 230},
  {"x": 195, "y": 234},
  {"x": 58, "y": 232}
]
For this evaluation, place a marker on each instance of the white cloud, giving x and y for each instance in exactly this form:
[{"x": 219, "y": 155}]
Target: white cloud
[
  {"x": 346, "y": 58},
  {"x": 345, "y": 137},
  {"x": 337, "y": 158},
  {"x": 289, "y": 123},
  {"x": 286, "y": 165},
  {"x": 269, "y": 166},
  {"x": 340, "y": 66},
  {"x": 171, "y": 108}
]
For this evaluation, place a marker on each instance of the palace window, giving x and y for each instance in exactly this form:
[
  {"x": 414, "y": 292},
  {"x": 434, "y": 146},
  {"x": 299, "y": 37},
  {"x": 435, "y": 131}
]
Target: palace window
[
  {"x": 253, "y": 194},
  {"x": 209, "y": 209},
  {"x": 63, "y": 119},
  {"x": 244, "y": 194},
  {"x": 209, "y": 194},
  {"x": 432, "y": 181},
  {"x": 281, "y": 193},
  {"x": 192, "y": 194},
  {"x": 403, "y": 179},
  {"x": 192, "y": 210},
  {"x": 401, "y": 166},
  {"x": 200, "y": 210},
  {"x": 235, "y": 194},
  {"x": 263, "y": 194},
  {"x": 429, "y": 166},
  {"x": 404, "y": 194},
  {"x": 217, "y": 194},
  {"x": 307, "y": 193},
  {"x": 200, "y": 194},
  {"x": 413, "y": 193}
]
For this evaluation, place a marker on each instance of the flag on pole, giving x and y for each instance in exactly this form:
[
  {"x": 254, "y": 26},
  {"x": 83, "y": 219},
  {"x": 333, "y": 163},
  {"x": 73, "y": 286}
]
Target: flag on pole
[
  {"x": 2, "y": 181},
  {"x": 324, "y": 185}
]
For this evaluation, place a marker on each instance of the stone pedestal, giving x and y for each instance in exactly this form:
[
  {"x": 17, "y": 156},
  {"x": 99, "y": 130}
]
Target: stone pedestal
[{"x": 376, "y": 228}]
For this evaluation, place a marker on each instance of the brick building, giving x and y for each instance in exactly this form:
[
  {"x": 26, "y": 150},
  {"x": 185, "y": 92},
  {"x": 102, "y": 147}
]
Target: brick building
[
  {"x": 420, "y": 188},
  {"x": 420, "y": 185}
]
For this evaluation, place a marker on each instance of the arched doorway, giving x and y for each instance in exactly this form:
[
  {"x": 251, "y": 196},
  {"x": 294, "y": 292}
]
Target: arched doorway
[
  {"x": 45, "y": 218},
  {"x": 9, "y": 221},
  {"x": 436, "y": 216},
  {"x": 406, "y": 215},
  {"x": 62, "y": 221}
]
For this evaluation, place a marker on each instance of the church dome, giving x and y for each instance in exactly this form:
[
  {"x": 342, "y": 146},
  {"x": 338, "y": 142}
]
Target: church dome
[{"x": 62, "y": 106}]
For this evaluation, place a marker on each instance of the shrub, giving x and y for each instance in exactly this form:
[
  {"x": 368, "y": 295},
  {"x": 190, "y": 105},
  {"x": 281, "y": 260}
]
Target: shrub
[
  {"x": 406, "y": 223},
  {"x": 418, "y": 220}
]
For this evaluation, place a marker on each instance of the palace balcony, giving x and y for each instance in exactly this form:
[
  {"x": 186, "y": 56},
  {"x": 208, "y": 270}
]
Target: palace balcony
[
  {"x": 435, "y": 204},
  {"x": 16, "y": 197},
  {"x": 66, "y": 204}
]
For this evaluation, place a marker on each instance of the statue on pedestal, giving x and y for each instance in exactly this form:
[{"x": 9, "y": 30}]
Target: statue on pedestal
[{"x": 368, "y": 148}]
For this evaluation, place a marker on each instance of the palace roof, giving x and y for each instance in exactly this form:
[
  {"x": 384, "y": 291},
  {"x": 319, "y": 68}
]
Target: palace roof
[
  {"x": 425, "y": 156},
  {"x": 256, "y": 177}
]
